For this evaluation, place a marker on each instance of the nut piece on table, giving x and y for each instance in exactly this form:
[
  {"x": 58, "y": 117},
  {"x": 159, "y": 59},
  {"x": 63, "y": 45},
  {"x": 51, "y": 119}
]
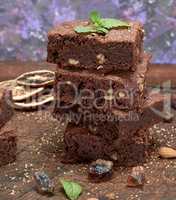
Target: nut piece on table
[
  {"x": 167, "y": 152},
  {"x": 44, "y": 184},
  {"x": 100, "y": 170},
  {"x": 137, "y": 177}
]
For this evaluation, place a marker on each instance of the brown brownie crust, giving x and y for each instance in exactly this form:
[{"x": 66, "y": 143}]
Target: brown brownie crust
[
  {"x": 6, "y": 110},
  {"x": 118, "y": 49},
  {"x": 8, "y": 147},
  {"x": 113, "y": 91},
  {"x": 108, "y": 125},
  {"x": 128, "y": 143},
  {"x": 81, "y": 145},
  {"x": 153, "y": 113}
]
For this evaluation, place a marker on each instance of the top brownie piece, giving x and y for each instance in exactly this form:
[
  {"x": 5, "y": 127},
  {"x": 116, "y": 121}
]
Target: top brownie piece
[{"x": 120, "y": 48}]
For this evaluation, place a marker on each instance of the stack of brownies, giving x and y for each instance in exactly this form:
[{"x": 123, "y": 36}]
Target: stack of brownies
[{"x": 100, "y": 87}]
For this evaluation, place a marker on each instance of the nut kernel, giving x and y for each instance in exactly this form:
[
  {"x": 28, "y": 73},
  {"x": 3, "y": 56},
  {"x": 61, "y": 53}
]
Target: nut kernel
[
  {"x": 72, "y": 61},
  {"x": 101, "y": 58},
  {"x": 99, "y": 67},
  {"x": 121, "y": 94},
  {"x": 109, "y": 96},
  {"x": 141, "y": 87},
  {"x": 167, "y": 152}
]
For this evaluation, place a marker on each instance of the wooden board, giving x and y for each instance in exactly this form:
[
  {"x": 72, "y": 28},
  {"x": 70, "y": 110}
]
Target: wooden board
[{"x": 12, "y": 69}]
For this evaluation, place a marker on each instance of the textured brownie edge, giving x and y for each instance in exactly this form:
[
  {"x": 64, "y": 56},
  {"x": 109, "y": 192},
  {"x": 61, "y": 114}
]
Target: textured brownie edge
[
  {"x": 6, "y": 110},
  {"x": 8, "y": 147},
  {"x": 132, "y": 83},
  {"x": 58, "y": 42},
  {"x": 123, "y": 122},
  {"x": 81, "y": 146}
]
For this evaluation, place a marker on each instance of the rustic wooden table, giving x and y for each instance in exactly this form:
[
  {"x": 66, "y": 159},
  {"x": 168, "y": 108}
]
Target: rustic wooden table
[{"x": 40, "y": 144}]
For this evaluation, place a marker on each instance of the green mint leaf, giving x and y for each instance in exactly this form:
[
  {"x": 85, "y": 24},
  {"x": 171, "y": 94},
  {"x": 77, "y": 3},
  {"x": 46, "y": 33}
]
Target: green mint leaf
[
  {"x": 101, "y": 30},
  {"x": 85, "y": 29},
  {"x": 113, "y": 23},
  {"x": 95, "y": 17},
  {"x": 100, "y": 25},
  {"x": 72, "y": 189}
]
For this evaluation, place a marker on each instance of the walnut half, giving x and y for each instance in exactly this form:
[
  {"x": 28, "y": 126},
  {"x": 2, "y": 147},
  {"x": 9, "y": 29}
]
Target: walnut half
[
  {"x": 73, "y": 62},
  {"x": 101, "y": 59}
]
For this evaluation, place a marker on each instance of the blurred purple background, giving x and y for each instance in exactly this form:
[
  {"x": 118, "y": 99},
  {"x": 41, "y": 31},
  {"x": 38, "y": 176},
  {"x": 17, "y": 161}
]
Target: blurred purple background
[{"x": 24, "y": 24}]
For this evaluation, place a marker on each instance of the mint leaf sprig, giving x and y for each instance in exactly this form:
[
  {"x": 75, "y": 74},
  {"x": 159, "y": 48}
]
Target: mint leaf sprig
[
  {"x": 100, "y": 25},
  {"x": 72, "y": 189}
]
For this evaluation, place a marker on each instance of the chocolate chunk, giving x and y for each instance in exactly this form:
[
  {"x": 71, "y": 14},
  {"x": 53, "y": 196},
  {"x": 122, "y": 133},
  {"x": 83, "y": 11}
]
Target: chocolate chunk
[
  {"x": 44, "y": 184},
  {"x": 137, "y": 177},
  {"x": 100, "y": 170}
]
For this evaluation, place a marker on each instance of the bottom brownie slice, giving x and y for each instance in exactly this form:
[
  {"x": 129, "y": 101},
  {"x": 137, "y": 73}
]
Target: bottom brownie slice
[
  {"x": 8, "y": 147},
  {"x": 126, "y": 142},
  {"x": 81, "y": 145},
  {"x": 133, "y": 149}
]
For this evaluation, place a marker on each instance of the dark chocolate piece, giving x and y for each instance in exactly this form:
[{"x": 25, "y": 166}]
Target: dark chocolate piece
[
  {"x": 137, "y": 177},
  {"x": 100, "y": 170},
  {"x": 119, "y": 49},
  {"x": 44, "y": 185}
]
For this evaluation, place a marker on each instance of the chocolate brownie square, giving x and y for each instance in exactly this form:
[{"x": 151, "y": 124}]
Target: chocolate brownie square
[
  {"x": 8, "y": 147},
  {"x": 94, "y": 91},
  {"x": 133, "y": 150},
  {"x": 81, "y": 145},
  {"x": 153, "y": 112},
  {"x": 112, "y": 126},
  {"x": 6, "y": 110},
  {"x": 120, "y": 48}
]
